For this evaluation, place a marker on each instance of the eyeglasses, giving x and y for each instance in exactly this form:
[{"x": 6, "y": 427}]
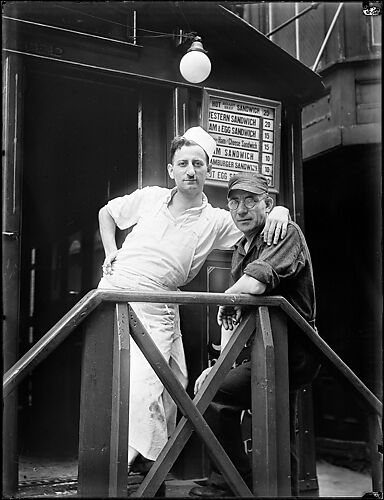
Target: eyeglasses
[{"x": 249, "y": 202}]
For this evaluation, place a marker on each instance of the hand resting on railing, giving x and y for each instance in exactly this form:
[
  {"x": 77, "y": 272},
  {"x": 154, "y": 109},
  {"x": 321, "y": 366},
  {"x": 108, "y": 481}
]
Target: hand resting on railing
[{"x": 230, "y": 316}]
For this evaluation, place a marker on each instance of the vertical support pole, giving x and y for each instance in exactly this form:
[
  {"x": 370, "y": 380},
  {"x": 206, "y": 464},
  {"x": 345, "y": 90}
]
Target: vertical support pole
[
  {"x": 283, "y": 442},
  {"x": 120, "y": 404},
  {"x": 297, "y": 166},
  {"x": 376, "y": 440},
  {"x": 180, "y": 105},
  {"x": 11, "y": 238},
  {"x": 264, "y": 430},
  {"x": 96, "y": 404}
]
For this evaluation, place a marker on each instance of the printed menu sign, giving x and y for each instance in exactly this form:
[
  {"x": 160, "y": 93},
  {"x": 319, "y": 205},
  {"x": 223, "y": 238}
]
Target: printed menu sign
[{"x": 247, "y": 134}]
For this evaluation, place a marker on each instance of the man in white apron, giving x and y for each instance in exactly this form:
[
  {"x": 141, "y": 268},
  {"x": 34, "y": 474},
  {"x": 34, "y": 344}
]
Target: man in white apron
[{"x": 173, "y": 232}]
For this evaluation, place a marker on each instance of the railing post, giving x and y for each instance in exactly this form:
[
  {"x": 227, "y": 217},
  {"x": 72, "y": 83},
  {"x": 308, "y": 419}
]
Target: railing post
[
  {"x": 120, "y": 404},
  {"x": 283, "y": 442},
  {"x": 103, "y": 435},
  {"x": 376, "y": 455},
  {"x": 264, "y": 431},
  {"x": 95, "y": 404},
  {"x": 270, "y": 406},
  {"x": 308, "y": 483}
]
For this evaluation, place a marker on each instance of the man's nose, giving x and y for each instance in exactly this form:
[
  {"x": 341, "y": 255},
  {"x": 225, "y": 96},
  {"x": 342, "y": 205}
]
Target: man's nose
[
  {"x": 191, "y": 170},
  {"x": 241, "y": 209}
]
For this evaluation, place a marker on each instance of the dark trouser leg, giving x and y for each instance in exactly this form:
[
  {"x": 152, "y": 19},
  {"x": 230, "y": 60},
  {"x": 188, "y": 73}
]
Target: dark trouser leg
[{"x": 223, "y": 416}]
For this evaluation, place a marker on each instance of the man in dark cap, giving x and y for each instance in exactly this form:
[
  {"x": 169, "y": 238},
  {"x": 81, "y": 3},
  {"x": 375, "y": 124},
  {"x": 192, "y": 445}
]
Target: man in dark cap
[{"x": 284, "y": 269}]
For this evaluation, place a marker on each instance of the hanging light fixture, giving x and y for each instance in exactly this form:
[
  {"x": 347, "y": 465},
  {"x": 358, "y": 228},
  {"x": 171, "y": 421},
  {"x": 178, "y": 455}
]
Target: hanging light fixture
[{"x": 195, "y": 65}]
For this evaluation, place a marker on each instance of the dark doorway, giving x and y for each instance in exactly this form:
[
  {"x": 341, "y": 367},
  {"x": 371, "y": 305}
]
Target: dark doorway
[
  {"x": 80, "y": 150},
  {"x": 343, "y": 230}
]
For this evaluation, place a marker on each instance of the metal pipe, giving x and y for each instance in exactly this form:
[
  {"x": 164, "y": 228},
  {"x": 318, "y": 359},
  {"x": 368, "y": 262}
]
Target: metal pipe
[
  {"x": 58, "y": 28},
  {"x": 327, "y": 37},
  {"x": 130, "y": 74},
  {"x": 297, "y": 34},
  {"x": 283, "y": 25},
  {"x": 134, "y": 27},
  {"x": 293, "y": 172}
]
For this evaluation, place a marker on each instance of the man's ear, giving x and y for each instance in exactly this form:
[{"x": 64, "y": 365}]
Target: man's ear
[
  {"x": 268, "y": 204},
  {"x": 170, "y": 170},
  {"x": 209, "y": 167}
]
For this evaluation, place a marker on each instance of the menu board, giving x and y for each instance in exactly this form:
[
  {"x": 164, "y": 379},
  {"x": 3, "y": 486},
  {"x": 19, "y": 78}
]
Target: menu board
[{"x": 247, "y": 134}]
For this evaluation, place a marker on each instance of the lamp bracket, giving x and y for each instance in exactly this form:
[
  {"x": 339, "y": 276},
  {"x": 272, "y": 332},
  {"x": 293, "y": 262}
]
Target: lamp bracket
[{"x": 180, "y": 36}]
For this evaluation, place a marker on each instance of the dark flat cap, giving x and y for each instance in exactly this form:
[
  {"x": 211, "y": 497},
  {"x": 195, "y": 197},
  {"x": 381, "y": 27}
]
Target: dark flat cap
[{"x": 248, "y": 181}]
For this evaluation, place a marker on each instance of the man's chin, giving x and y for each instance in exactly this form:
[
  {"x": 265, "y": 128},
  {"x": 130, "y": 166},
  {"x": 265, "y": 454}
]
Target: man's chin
[
  {"x": 243, "y": 225},
  {"x": 191, "y": 186},
  {"x": 247, "y": 228}
]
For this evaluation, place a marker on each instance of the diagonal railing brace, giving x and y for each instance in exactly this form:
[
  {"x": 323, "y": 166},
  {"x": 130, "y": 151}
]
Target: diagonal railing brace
[{"x": 188, "y": 408}]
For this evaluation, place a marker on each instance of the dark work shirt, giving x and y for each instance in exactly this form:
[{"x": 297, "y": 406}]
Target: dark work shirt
[{"x": 285, "y": 268}]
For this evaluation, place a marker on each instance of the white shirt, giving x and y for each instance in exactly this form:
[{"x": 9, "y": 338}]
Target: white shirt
[{"x": 163, "y": 248}]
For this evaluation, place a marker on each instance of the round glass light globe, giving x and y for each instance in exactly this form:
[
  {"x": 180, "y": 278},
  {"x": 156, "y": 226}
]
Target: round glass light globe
[{"x": 195, "y": 66}]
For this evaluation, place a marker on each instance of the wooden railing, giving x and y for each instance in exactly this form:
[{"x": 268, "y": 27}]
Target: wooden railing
[{"x": 105, "y": 384}]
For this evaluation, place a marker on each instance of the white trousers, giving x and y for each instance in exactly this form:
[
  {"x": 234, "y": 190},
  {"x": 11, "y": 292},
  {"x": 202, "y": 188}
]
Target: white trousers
[{"x": 152, "y": 412}]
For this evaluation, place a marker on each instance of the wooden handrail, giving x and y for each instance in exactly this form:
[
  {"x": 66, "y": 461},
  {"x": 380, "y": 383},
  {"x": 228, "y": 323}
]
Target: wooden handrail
[
  {"x": 92, "y": 299},
  {"x": 60, "y": 331},
  {"x": 50, "y": 341},
  {"x": 375, "y": 404},
  {"x": 207, "y": 298}
]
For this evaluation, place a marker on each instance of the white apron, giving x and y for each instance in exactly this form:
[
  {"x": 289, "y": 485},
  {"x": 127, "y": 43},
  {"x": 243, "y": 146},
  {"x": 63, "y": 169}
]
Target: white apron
[{"x": 169, "y": 252}]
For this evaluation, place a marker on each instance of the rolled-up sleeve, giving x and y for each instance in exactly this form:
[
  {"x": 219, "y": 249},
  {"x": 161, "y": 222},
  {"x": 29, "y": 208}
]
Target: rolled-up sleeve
[
  {"x": 264, "y": 272},
  {"x": 276, "y": 262},
  {"x": 125, "y": 210}
]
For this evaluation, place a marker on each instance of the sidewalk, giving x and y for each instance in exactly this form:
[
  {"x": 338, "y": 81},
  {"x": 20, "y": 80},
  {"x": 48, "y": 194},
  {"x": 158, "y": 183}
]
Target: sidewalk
[{"x": 46, "y": 478}]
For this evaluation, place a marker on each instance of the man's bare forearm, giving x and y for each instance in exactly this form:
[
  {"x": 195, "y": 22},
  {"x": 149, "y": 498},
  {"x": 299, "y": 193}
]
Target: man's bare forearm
[
  {"x": 247, "y": 284},
  {"x": 107, "y": 228}
]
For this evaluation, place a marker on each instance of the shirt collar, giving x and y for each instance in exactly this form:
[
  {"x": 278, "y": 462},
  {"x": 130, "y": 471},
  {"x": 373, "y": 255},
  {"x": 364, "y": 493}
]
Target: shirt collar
[
  {"x": 240, "y": 246},
  {"x": 172, "y": 193}
]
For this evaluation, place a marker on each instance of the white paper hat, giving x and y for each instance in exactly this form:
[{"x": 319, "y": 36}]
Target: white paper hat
[{"x": 202, "y": 138}]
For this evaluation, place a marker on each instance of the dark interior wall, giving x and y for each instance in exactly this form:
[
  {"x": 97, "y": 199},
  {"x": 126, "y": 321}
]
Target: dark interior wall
[
  {"x": 343, "y": 228},
  {"x": 80, "y": 150},
  {"x": 78, "y": 134}
]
